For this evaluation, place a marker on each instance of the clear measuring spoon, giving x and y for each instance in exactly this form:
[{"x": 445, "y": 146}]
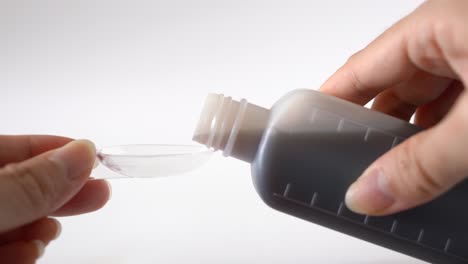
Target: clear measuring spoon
[{"x": 151, "y": 161}]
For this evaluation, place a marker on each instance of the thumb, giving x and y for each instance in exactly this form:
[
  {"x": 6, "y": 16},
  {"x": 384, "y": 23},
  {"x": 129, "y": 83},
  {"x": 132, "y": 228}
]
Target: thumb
[
  {"x": 416, "y": 171},
  {"x": 36, "y": 187}
]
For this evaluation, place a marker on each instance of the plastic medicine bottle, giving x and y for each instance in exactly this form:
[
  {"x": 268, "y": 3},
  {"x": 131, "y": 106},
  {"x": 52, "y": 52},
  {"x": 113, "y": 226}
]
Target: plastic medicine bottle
[{"x": 309, "y": 147}]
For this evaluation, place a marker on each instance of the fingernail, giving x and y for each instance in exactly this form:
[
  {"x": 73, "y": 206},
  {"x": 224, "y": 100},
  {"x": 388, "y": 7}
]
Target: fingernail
[
  {"x": 58, "y": 230},
  {"x": 40, "y": 246},
  {"x": 75, "y": 158},
  {"x": 370, "y": 193}
]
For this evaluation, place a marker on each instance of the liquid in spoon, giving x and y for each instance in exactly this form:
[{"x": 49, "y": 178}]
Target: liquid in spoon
[{"x": 152, "y": 161}]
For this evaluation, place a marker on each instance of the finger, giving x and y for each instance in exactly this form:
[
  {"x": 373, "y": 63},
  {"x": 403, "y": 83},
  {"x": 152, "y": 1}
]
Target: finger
[
  {"x": 45, "y": 229},
  {"x": 414, "y": 44},
  {"x": 432, "y": 113},
  {"x": 413, "y": 173},
  {"x": 384, "y": 63},
  {"x": 402, "y": 100},
  {"x": 37, "y": 187},
  {"x": 93, "y": 196},
  {"x": 22, "y": 252},
  {"x": 436, "y": 42},
  {"x": 18, "y": 148}
]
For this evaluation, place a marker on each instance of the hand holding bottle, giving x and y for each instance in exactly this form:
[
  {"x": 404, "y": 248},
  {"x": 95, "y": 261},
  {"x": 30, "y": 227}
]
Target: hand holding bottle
[{"x": 418, "y": 66}]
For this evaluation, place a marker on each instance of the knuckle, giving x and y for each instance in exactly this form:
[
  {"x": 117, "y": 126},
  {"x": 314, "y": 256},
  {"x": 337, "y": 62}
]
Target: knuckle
[
  {"x": 449, "y": 25},
  {"x": 354, "y": 56},
  {"x": 440, "y": 35},
  {"x": 352, "y": 77},
  {"x": 35, "y": 192}
]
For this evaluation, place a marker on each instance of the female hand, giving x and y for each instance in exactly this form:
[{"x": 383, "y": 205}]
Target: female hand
[
  {"x": 418, "y": 66},
  {"x": 43, "y": 176}
]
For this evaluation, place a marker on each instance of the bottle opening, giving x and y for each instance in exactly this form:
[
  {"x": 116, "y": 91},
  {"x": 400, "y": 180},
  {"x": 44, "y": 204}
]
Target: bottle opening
[{"x": 235, "y": 127}]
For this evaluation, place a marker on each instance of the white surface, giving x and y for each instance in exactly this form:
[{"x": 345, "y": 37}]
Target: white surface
[{"x": 121, "y": 72}]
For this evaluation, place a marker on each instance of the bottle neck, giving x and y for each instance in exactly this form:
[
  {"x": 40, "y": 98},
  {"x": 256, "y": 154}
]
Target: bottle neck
[{"x": 235, "y": 127}]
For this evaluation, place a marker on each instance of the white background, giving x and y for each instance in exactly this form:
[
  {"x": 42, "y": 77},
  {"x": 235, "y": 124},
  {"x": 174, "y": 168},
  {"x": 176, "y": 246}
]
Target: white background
[{"x": 120, "y": 72}]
